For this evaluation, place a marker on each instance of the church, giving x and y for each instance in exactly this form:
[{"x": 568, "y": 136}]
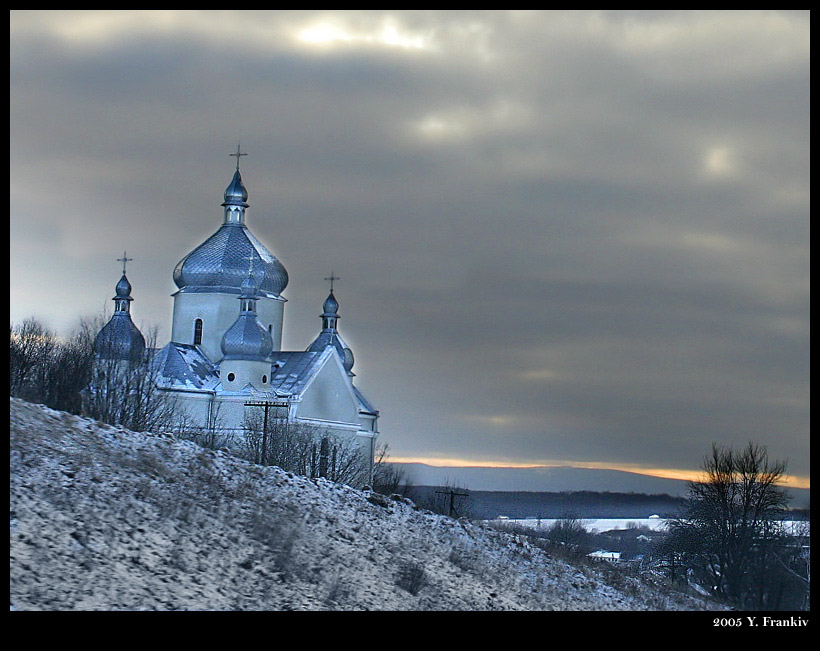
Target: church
[{"x": 224, "y": 365}]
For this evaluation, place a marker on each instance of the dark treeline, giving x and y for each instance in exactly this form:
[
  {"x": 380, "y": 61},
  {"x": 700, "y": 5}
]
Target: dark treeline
[
  {"x": 487, "y": 505},
  {"x": 47, "y": 369}
]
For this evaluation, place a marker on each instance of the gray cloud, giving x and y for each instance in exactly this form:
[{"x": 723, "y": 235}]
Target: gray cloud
[{"x": 561, "y": 235}]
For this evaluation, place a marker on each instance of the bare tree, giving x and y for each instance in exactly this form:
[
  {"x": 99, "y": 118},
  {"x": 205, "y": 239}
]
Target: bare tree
[
  {"x": 304, "y": 449},
  {"x": 124, "y": 392},
  {"x": 30, "y": 347},
  {"x": 47, "y": 369},
  {"x": 212, "y": 436},
  {"x": 388, "y": 479},
  {"x": 730, "y": 532},
  {"x": 69, "y": 372},
  {"x": 569, "y": 531}
]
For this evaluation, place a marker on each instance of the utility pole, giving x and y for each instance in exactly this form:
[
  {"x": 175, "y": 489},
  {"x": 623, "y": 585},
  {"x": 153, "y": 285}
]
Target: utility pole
[
  {"x": 452, "y": 493},
  {"x": 266, "y": 405}
]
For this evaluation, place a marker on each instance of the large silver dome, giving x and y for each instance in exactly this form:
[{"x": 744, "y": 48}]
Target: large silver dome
[{"x": 221, "y": 263}]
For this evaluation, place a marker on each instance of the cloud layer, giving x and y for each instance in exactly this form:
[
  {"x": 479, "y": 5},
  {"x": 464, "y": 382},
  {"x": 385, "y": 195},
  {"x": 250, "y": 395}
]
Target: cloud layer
[{"x": 561, "y": 236}]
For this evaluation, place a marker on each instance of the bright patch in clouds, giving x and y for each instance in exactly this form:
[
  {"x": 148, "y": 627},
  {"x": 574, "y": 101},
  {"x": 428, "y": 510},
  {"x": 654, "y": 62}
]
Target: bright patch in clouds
[
  {"x": 436, "y": 128},
  {"x": 388, "y": 33},
  {"x": 719, "y": 162}
]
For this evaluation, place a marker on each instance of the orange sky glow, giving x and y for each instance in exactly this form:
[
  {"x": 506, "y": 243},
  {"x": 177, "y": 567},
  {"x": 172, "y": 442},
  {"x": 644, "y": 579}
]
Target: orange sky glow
[{"x": 792, "y": 481}]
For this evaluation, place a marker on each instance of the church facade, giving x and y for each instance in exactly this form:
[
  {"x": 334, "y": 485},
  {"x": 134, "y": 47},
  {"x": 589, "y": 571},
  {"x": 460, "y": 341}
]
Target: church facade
[{"x": 224, "y": 366}]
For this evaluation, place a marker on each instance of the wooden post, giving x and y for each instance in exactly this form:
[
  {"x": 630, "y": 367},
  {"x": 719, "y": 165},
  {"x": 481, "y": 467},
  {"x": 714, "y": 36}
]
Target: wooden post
[
  {"x": 452, "y": 493},
  {"x": 266, "y": 405}
]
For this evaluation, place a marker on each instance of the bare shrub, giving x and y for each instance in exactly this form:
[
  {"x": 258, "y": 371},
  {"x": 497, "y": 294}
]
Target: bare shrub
[
  {"x": 279, "y": 537},
  {"x": 468, "y": 560},
  {"x": 411, "y": 577},
  {"x": 304, "y": 449}
]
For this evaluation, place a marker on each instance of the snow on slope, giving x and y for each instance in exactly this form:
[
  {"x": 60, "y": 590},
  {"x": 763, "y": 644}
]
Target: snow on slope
[{"x": 106, "y": 519}]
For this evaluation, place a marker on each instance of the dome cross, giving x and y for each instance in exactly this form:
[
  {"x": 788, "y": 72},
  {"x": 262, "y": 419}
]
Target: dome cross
[
  {"x": 238, "y": 154},
  {"x": 124, "y": 259},
  {"x": 331, "y": 278}
]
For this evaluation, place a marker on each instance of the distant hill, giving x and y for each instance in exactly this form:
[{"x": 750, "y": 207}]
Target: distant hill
[
  {"x": 557, "y": 479},
  {"x": 544, "y": 479}
]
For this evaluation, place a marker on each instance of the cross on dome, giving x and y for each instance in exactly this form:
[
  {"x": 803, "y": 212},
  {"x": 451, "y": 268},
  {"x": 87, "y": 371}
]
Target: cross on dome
[
  {"x": 331, "y": 278},
  {"x": 124, "y": 259},
  {"x": 237, "y": 154}
]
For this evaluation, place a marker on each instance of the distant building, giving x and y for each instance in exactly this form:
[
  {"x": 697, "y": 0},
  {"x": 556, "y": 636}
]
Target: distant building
[
  {"x": 601, "y": 555},
  {"x": 225, "y": 361}
]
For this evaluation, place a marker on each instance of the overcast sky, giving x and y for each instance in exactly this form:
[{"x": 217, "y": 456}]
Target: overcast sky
[{"x": 561, "y": 237}]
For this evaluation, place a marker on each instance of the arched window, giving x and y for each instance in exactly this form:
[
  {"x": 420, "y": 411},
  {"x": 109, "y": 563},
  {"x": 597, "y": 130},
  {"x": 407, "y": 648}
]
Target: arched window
[
  {"x": 264, "y": 379},
  {"x": 197, "y": 332}
]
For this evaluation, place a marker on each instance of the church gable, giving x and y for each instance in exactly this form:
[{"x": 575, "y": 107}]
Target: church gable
[{"x": 328, "y": 394}]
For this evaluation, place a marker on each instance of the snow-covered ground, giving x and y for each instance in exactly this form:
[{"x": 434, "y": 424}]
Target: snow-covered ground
[
  {"x": 106, "y": 519},
  {"x": 610, "y": 524},
  {"x": 595, "y": 525}
]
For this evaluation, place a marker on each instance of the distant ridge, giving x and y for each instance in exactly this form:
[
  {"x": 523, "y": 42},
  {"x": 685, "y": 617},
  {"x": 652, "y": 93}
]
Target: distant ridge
[
  {"x": 542, "y": 479},
  {"x": 556, "y": 479}
]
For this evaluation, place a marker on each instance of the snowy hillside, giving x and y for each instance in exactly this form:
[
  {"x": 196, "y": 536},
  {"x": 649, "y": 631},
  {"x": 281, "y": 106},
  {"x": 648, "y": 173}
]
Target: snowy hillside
[{"x": 106, "y": 519}]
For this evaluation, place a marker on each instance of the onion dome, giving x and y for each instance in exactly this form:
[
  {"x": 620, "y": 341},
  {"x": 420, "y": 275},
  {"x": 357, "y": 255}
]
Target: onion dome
[
  {"x": 330, "y": 307},
  {"x": 235, "y": 193},
  {"x": 329, "y": 336},
  {"x": 247, "y": 338},
  {"x": 220, "y": 263},
  {"x": 120, "y": 339},
  {"x": 123, "y": 289}
]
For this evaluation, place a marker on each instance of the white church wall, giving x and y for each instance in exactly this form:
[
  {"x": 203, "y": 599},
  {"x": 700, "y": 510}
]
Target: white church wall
[
  {"x": 236, "y": 374},
  {"x": 218, "y": 312},
  {"x": 193, "y": 408}
]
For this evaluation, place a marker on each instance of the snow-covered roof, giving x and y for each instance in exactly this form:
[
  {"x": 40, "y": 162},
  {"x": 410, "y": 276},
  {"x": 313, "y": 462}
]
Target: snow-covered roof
[
  {"x": 292, "y": 370},
  {"x": 184, "y": 366},
  {"x": 364, "y": 403}
]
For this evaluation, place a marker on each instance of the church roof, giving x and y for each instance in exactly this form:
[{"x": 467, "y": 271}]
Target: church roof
[
  {"x": 185, "y": 366},
  {"x": 293, "y": 370},
  {"x": 333, "y": 339},
  {"x": 365, "y": 404}
]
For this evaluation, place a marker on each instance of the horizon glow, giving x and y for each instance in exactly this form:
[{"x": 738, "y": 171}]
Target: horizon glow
[{"x": 791, "y": 481}]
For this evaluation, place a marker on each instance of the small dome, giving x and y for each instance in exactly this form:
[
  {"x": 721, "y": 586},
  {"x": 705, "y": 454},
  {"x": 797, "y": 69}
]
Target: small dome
[
  {"x": 247, "y": 338},
  {"x": 348, "y": 360},
  {"x": 235, "y": 193},
  {"x": 120, "y": 339},
  {"x": 331, "y": 305},
  {"x": 123, "y": 288}
]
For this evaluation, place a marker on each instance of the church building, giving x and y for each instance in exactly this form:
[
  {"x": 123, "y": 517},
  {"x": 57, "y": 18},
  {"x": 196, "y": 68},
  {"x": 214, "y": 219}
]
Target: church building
[{"x": 225, "y": 361}]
